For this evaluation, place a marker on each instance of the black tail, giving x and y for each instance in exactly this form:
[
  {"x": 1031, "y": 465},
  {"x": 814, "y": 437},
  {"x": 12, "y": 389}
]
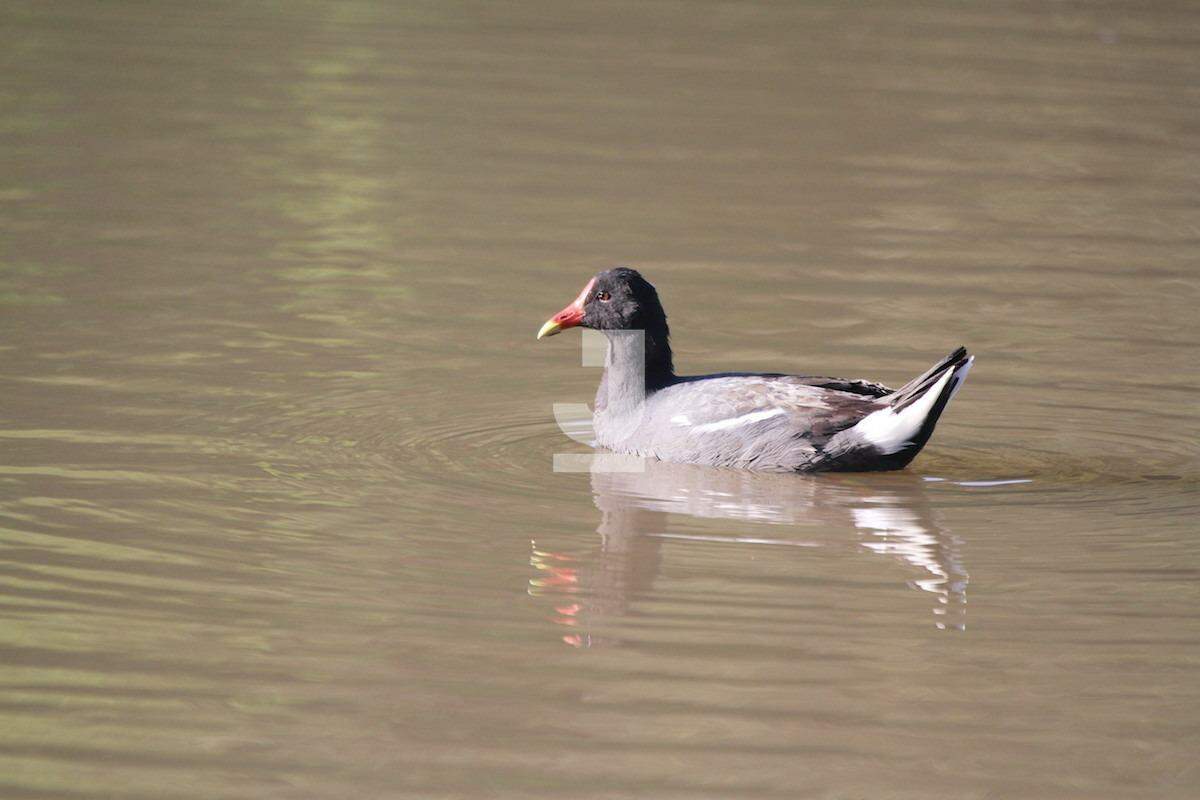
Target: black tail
[
  {"x": 958, "y": 361},
  {"x": 891, "y": 437},
  {"x": 909, "y": 392}
]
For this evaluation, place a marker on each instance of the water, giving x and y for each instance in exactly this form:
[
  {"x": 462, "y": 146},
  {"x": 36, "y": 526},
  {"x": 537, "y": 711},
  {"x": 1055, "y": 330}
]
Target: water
[{"x": 279, "y": 518}]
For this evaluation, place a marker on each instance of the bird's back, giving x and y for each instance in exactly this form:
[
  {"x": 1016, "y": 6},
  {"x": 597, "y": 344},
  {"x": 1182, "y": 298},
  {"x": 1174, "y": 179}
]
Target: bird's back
[{"x": 755, "y": 421}]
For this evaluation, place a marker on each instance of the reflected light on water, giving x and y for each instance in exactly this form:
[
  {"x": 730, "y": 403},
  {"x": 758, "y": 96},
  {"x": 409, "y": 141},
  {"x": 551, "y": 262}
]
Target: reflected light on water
[{"x": 636, "y": 508}]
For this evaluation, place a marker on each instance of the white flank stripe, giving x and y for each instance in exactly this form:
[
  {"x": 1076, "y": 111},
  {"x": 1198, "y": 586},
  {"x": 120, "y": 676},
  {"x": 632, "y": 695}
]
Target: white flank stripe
[
  {"x": 733, "y": 422},
  {"x": 892, "y": 432}
]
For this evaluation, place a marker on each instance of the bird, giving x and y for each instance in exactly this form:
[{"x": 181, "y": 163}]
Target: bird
[{"x": 746, "y": 420}]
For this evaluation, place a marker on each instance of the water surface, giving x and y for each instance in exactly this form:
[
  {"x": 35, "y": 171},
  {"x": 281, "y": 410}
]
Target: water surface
[{"x": 278, "y": 511}]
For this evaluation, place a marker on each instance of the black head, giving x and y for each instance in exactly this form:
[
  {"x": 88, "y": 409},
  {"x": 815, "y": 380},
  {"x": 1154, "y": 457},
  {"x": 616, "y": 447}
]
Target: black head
[
  {"x": 614, "y": 300},
  {"x": 622, "y": 300}
]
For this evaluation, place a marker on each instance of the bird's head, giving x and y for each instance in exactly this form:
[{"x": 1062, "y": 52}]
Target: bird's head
[{"x": 616, "y": 299}]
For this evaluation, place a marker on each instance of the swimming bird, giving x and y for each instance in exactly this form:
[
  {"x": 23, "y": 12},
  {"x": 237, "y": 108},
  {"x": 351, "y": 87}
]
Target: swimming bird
[{"x": 762, "y": 421}]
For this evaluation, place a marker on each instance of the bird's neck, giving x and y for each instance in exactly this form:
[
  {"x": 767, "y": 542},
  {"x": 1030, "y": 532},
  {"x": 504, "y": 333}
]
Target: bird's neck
[{"x": 638, "y": 363}]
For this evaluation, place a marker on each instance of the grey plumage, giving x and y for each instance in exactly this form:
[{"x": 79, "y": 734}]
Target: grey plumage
[{"x": 763, "y": 421}]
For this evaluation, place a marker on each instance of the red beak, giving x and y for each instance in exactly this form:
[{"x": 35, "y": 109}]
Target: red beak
[{"x": 569, "y": 317}]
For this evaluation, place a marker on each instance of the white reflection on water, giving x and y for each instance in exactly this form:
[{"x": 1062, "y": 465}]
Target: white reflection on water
[
  {"x": 892, "y": 515},
  {"x": 901, "y": 532}
]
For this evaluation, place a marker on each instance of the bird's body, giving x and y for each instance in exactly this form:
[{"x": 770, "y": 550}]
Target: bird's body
[{"x": 761, "y": 421}]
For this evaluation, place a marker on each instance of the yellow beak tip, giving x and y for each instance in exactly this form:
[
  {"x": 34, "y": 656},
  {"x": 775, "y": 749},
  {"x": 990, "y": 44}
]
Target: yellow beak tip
[{"x": 549, "y": 329}]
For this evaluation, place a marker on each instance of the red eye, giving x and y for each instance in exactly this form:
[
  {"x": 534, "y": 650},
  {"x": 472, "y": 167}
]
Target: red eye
[{"x": 603, "y": 297}]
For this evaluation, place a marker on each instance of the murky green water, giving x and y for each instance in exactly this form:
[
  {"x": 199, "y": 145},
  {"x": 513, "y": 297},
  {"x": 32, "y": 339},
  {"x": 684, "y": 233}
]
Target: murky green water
[{"x": 278, "y": 512}]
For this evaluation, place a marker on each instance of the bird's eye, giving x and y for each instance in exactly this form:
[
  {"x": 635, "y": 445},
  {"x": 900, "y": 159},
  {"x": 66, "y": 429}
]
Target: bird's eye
[{"x": 603, "y": 297}]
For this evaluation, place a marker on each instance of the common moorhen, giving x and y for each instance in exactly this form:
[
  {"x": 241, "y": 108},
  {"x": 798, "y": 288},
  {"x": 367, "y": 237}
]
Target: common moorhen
[{"x": 764, "y": 421}]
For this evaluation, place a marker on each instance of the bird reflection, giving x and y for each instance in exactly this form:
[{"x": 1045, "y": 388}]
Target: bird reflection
[{"x": 891, "y": 514}]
